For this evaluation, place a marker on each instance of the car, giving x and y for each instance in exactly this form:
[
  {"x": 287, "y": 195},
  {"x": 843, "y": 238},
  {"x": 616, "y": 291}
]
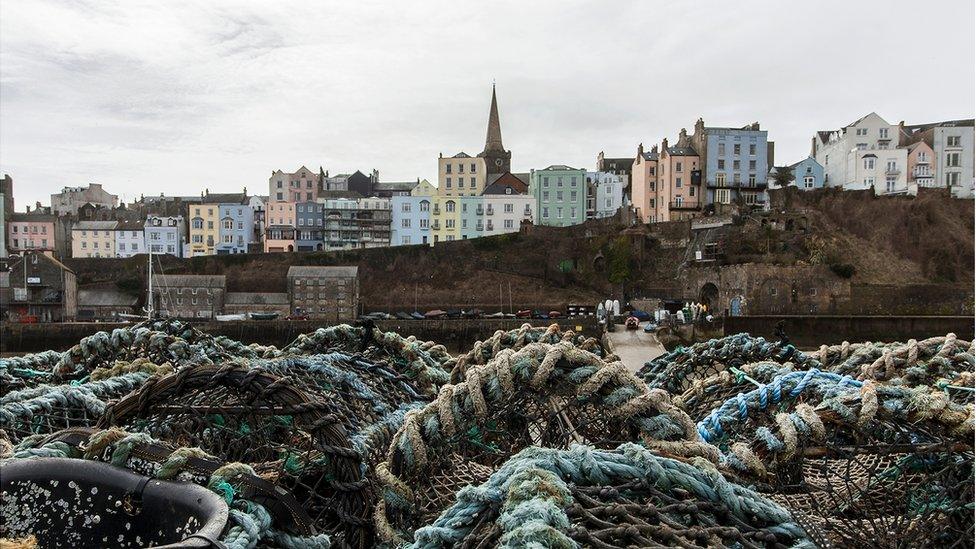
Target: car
[
  {"x": 631, "y": 323},
  {"x": 473, "y": 313},
  {"x": 555, "y": 314},
  {"x": 640, "y": 315},
  {"x": 540, "y": 315},
  {"x": 296, "y": 317},
  {"x": 404, "y": 316},
  {"x": 436, "y": 313},
  {"x": 454, "y": 313},
  {"x": 416, "y": 315},
  {"x": 524, "y": 313}
]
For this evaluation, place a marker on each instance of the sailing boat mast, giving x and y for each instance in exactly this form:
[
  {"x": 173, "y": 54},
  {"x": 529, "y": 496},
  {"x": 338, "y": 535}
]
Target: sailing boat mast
[{"x": 149, "y": 298}]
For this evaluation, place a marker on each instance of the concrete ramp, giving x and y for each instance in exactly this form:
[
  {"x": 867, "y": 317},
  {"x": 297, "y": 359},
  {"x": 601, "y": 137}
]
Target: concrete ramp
[{"x": 634, "y": 347}]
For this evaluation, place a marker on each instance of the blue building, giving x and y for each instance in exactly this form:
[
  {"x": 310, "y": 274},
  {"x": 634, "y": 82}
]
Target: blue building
[
  {"x": 736, "y": 163},
  {"x": 472, "y": 216},
  {"x": 410, "y": 222},
  {"x": 235, "y": 221},
  {"x": 309, "y": 226},
  {"x": 808, "y": 174}
]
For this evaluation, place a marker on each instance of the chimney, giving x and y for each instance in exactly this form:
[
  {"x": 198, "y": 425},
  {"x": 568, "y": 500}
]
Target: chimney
[
  {"x": 640, "y": 150},
  {"x": 245, "y": 192}
]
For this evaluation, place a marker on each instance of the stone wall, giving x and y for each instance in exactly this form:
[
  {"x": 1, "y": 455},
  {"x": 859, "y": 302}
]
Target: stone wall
[
  {"x": 809, "y": 332},
  {"x": 767, "y": 289},
  {"x": 456, "y": 334}
]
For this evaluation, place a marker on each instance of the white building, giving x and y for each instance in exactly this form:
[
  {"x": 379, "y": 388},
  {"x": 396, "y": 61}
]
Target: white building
[
  {"x": 130, "y": 239},
  {"x": 165, "y": 235},
  {"x": 884, "y": 170},
  {"x": 953, "y": 144},
  {"x": 604, "y": 194},
  {"x": 840, "y": 151}
]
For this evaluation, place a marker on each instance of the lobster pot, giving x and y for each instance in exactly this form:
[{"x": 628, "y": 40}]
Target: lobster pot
[
  {"x": 75, "y": 503},
  {"x": 629, "y": 497},
  {"x": 237, "y": 414}
]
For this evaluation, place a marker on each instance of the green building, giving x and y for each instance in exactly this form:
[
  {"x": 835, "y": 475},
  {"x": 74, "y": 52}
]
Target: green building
[{"x": 560, "y": 195}]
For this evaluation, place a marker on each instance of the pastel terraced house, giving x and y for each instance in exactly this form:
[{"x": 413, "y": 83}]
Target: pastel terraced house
[
  {"x": 560, "y": 194},
  {"x": 93, "y": 239}
]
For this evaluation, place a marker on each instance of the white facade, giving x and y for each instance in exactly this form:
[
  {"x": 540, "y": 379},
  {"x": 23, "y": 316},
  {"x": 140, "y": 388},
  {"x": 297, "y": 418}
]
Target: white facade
[
  {"x": 605, "y": 194},
  {"x": 164, "y": 235},
  {"x": 954, "y": 151},
  {"x": 130, "y": 240},
  {"x": 884, "y": 170},
  {"x": 839, "y": 154},
  {"x": 503, "y": 213}
]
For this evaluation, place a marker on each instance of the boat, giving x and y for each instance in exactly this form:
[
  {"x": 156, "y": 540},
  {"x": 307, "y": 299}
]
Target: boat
[
  {"x": 263, "y": 316},
  {"x": 416, "y": 315},
  {"x": 230, "y": 318}
]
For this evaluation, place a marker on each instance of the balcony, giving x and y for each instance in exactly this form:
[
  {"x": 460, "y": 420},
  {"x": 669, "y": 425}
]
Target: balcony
[
  {"x": 480, "y": 227},
  {"x": 480, "y": 211},
  {"x": 436, "y": 226},
  {"x": 681, "y": 205},
  {"x": 437, "y": 210},
  {"x": 892, "y": 170},
  {"x": 490, "y": 227},
  {"x": 489, "y": 211}
]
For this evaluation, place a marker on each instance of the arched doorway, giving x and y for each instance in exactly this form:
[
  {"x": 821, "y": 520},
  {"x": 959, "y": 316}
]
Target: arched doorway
[
  {"x": 735, "y": 306},
  {"x": 708, "y": 296},
  {"x": 291, "y": 248}
]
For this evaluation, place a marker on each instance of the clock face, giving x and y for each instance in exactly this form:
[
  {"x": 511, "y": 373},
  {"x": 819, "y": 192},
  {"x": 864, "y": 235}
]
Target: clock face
[{"x": 498, "y": 161}]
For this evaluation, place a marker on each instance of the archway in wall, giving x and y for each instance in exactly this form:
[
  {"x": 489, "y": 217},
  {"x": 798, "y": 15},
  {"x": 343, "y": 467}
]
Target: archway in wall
[{"x": 708, "y": 296}]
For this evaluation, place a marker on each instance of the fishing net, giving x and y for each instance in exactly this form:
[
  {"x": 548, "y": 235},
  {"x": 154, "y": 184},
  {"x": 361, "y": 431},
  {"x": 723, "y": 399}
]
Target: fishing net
[
  {"x": 677, "y": 370},
  {"x": 45, "y": 409},
  {"x": 370, "y": 399},
  {"x": 484, "y": 351},
  {"x": 289, "y": 437},
  {"x": 628, "y": 497},
  {"x": 260, "y": 511},
  {"x": 840, "y": 452},
  {"x": 549, "y": 395},
  {"x": 421, "y": 361}
]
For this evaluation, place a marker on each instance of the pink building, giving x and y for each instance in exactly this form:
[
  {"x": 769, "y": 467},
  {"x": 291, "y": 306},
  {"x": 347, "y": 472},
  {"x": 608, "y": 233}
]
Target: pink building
[
  {"x": 920, "y": 169},
  {"x": 301, "y": 186},
  {"x": 34, "y": 232},
  {"x": 679, "y": 193},
  {"x": 279, "y": 236},
  {"x": 643, "y": 183}
]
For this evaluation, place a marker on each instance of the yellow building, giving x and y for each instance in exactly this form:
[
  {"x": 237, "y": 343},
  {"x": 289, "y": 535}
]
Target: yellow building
[
  {"x": 93, "y": 239},
  {"x": 204, "y": 229},
  {"x": 460, "y": 175},
  {"x": 424, "y": 188},
  {"x": 445, "y": 219}
]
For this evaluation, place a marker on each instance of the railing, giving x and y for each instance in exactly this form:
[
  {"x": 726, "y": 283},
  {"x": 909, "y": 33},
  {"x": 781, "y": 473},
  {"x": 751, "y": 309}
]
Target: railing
[
  {"x": 676, "y": 205},
  {"x": 490, "y": 227},
  {"x": 892, "y": 170},
  {"x": 489, "y": 211}
]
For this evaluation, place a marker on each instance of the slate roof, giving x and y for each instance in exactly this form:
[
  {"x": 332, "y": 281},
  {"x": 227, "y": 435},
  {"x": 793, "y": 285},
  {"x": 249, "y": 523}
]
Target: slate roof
[
  {"x": 95, "y": 226},
  {"x": 225, "y": 198},
  {"x": 105, "y": 298},
  {"x": 327, "y": 272},
  {"x": 190, "y": 280},
  {"x": 507, "y": 180}
]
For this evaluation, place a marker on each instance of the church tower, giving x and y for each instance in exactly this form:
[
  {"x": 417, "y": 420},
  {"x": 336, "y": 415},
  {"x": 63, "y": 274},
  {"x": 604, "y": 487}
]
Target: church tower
[{"x": 497, "y": 159}]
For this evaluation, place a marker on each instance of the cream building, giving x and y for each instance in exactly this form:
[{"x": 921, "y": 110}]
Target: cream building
[
  {"x": 460, "y": 175},
  {"x": 445, "y": 219},
  {"x": 93, "y": 239},
  {"x": 884, "y": 170}
]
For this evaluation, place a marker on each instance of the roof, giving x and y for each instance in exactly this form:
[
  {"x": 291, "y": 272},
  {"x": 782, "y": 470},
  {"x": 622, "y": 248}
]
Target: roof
[
  {"x": 256, "y": 298},
  {"x": 505, "y": 181},
  {"x": 795, "y": 164},
  {"x": 650, "y": 156},
  {"x": 130, "y": 225},
  {"x": 394, "y": 185},
  {"x": 28, "y": 217},
  {"x": 105, "y": 298},
  {"x": 558, "y": 167},
  {"x": 95, "y": 226},
  {"x": 211, "y": 281},
  {"x": 682, "y": 151},
  {"x": 327, "y": 272},
  {"x": 225, "y": 198},
  {"x": 968, "y": 122},
  {"x": 462, "y": 154},
  {"x": 824, "y": 135},
  {"x": 329, "y": 195}
]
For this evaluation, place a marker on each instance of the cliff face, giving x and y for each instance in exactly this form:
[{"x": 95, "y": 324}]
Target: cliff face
[{"x": 889, "y": 241}]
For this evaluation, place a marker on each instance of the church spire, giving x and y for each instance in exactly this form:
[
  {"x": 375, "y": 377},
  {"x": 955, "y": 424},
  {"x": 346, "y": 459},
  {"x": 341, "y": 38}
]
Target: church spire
[{"x": 493, "y": 141}]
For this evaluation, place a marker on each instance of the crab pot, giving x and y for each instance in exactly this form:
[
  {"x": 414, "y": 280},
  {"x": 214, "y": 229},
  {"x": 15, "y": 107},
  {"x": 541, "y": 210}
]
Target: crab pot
[{"x": 78, "y": 503}]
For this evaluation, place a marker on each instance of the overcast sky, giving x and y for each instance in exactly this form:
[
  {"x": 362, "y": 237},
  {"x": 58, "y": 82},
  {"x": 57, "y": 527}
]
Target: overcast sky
[{"x": 150, "y": 97}]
